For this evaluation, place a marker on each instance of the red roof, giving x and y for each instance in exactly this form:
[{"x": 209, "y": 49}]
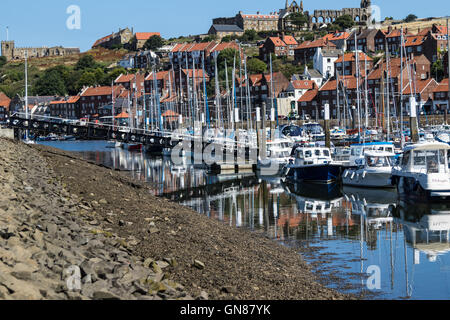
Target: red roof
[
  {"x": 290, "y": 40},
  {"x": 170, "y": 113},
  {"x": 352, "y": 57},
  {"x": 119, "y": 91},
  {"x": 316, "y": 44},
  {"x": 4, "y": 101},
  {"x": 414, "y": 41},
  {"x": 441, "y": 29},
  {"x": 146, "y": 35},
  {"x": 125, "y": 78},
  {"x": 336, "y": 36},
  {"x": 73, "y": 99},
  {"x": 309, "y": 95},
  {"x": 159, "y": 76},
  {"x": 303, "y": 84},
  {"x": 442, "y": 87},
  {"x": 101, "y": 40},
  {"x": 198, "y": 73},
  {"x": 418, "y": 87},
  {"x": 349, "y": 82},
  {"x": 277, "y": 42}
]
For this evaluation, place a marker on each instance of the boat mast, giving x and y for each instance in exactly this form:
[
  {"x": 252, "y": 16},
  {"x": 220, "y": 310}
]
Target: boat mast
[
  {"x": 358, "y": 93},
  {"x": 402, "y": 137},
  {"x": 208, "y": 120},
  {"x": 387, "y": 95},
  {"x": 26, "y": 92}
]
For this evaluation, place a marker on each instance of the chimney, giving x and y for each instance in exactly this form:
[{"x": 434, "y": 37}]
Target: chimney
[
  {"x": 389, "y": 29},
  {"x": 257, "y": 12}
]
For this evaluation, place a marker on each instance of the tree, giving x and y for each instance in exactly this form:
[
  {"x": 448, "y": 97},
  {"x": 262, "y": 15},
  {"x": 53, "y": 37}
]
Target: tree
[
  {"x": 411, "y": 18},
  {"x": 298, "y": 19},
  {"x": 2, "y": 61},
  {"x": 154, "y": 43},
  {"x": 86, "y": 62},
  {"x": 49, "y": 84},
  {"x": 250, "y": 35},
  {"x": 255, "y": 65},
  {"x": 437, "y": 70},
  {"x": 228, "y": 54},
  {"x": 87, "y": 79},
  {"x": 344, "y": 22}
]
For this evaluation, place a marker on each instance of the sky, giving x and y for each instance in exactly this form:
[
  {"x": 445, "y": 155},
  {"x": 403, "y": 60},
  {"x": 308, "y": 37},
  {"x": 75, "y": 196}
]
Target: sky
[{"x": 44, "y": 22}]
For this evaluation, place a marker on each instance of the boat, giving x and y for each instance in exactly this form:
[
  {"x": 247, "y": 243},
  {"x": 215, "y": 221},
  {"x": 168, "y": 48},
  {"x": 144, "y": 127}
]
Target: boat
[
  {"x": 278, "y": 156},
  {"x": 375, "y": 172},
  {"x": 314, "y": 131},
  {"x": 423, "y": 172},
  {"x": 337, "y": 134},
  {"x": 313, "y": 164},
  {"x": 357, "y": 151}
]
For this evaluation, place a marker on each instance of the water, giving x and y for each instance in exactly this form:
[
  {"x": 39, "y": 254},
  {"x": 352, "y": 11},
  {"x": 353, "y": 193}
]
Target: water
[{"x": 348, "y": 232}]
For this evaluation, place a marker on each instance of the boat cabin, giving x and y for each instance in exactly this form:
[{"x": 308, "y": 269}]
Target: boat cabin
[
  {"x": 312, "y": 156},
  {"x": 357, "y": 151},
  {"x": 426, "y": 158},
  {"x": 373, "y": 159}
]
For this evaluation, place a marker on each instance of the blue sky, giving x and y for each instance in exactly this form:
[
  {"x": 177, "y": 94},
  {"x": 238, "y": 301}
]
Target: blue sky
[{"x": 43, "y": 23}]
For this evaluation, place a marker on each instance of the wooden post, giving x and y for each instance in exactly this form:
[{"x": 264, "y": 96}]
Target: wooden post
[{"x": 413, "y": 119}]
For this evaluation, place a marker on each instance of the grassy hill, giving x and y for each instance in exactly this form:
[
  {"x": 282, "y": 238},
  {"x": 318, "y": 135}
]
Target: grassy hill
[
  {"x": 414, "y": 26},
  {"x": 12, "y": 74}
]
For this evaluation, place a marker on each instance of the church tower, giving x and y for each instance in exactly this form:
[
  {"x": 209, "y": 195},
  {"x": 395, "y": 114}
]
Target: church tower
[
  {"x": 365, "y": 4},
  {"x": 8, "y": 49}
]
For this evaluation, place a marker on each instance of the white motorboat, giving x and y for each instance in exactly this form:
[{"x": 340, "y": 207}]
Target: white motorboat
[
  {"x": 423, "y": 173},
  {"x": 357, "y": 151},
  {"x": 375, "y": 172}
]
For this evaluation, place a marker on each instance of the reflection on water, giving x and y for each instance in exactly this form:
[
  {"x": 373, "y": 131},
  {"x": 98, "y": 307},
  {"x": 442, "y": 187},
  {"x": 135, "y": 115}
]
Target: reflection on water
[{"x": 355, "y": 229}]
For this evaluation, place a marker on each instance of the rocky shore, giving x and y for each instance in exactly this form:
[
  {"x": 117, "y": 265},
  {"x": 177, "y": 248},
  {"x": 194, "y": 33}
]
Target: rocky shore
[{"x": 70, "y": 229}]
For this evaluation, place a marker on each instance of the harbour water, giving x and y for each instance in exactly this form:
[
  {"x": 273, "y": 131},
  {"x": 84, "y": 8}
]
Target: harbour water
[{"x": 368, "y": 241}]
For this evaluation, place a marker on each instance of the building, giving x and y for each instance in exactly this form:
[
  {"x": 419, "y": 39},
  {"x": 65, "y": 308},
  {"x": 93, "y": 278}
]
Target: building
[
  {"x": 127, "y": 62},
  {"x": 12, "y": 53},
  {"x": 440, "y": 96},
  {"x": 142, "y": 37},
  {"x": 5, "y": 101},
  {"x": 324, "y": 61},
  {"x": 68, "y": 108},
  {"x": 339, "y": 38},
  {"x": 279, "y": 21},
  {"x": 328, "y": 95},
  {"x": 306, "y": 51},
  {"x": 283, "y": 46},
  {"x": 346, "y": 64},
  {"x": 122, "y": 37},
  {"x": 297, "y": 88},
  {"x": 223, "y": 30},
  {"x": 94, "y": 100},
  {"x": 365, "y": 38},
  {"x": 423, "y": 91}
]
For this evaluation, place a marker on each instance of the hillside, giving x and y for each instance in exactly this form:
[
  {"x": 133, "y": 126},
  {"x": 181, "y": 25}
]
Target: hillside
[
  {"x": 12, "y": 76},
  {"x": 414, "y": 26}
]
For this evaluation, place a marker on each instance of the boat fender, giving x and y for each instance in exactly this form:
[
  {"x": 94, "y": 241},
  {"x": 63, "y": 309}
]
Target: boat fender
[
  {"x": 353, "y": 175},
  {"x": 346, "y": 174},
  {"x": 364, "y": 174}
]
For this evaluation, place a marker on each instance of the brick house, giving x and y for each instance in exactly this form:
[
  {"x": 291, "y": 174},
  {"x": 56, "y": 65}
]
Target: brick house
[
  {"x": 223, "y": 30},
  {"x": 66, "y": 109},
  {"x": 306, "y": 51},
  {"x": 339, "y": 38},
  {"x": 440, "y": 96},
  {"x": 346, "y": 64},
  {"x": 163, "y": 80},
  {"x": 280, "y": 46},
  {"x": 308, "y": 104},
  {"x": 94, "y": 99},
  {"x": 365, "y": 38}
]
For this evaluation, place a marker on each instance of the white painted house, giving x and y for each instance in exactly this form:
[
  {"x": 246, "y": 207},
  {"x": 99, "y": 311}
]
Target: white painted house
[
  {"x": 324, "y": 60},
  {"x": 127, "y": 61}
]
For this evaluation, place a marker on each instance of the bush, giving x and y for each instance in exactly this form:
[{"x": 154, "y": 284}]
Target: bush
[{"x": 411, "y": 18}]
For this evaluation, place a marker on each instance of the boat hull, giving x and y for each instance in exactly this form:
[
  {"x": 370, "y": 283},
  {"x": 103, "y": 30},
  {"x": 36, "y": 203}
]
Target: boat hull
[
  {"x": 367, "y": 180},
  {"x": 410, "y": 188},
  {"x": 324, "y": 173}
]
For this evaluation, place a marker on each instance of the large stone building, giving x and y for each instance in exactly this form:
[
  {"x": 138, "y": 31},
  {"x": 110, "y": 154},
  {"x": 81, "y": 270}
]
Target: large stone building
[
  {"x": 122, "y": 37},
  {"x": 280, "y": 21},
  {"x": 10, "y": 51}
]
